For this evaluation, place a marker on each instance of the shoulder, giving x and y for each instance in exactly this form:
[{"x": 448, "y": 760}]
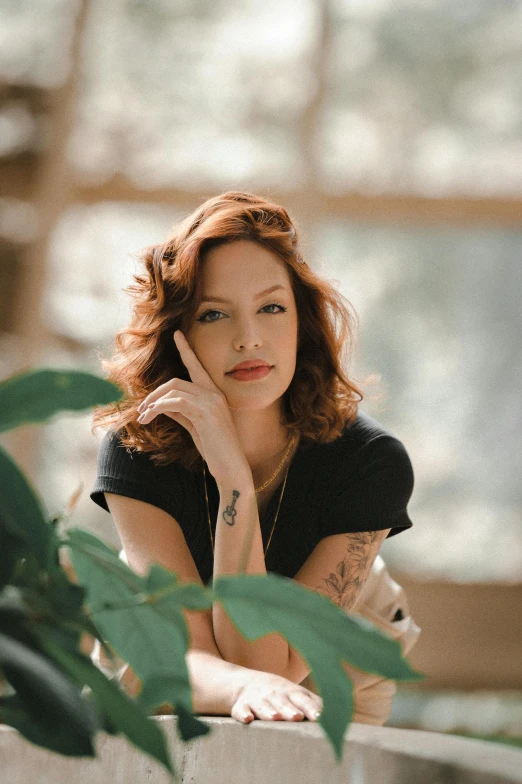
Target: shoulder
[
  {"x": 363, "y": 430},
  {"x": 373, "y": 449},
  {"x": 129, "y": 472},
  {"x": 366, "y": 456},
  {"x": 117, "y": 459},
  {"x": 112, "y": 453},
  {"x": 369, "y": 480},
  {"x": 362, "y": 441}
]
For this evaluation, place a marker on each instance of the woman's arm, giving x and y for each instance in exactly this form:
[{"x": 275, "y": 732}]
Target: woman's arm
[
  {"x": 237, "y": 515},
  {"x": 216, "y": 684},
  {"x": 151, "y": 535},
  {"x": 338, "y": 568}
]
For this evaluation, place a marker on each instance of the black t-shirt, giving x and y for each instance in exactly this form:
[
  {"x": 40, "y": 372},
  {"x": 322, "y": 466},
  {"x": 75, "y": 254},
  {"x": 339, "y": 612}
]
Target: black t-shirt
[{"x": 362, "y": 481}]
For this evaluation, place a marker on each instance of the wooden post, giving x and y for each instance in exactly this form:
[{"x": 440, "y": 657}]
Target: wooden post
[{"x": 53, "y": 191}]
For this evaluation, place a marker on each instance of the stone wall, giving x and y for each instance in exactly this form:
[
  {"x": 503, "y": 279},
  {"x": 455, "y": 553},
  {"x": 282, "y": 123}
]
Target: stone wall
[{"x": 266, "y": 752}]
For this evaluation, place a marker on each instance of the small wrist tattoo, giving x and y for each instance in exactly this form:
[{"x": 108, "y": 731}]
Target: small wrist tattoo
[{"x": 230, "y": 512}]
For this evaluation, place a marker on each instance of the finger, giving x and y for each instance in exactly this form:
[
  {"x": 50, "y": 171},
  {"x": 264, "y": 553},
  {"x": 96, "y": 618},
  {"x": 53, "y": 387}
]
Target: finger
[
  {"x": 197, "y": 372},
  {"x": 286, "y": 709},
  {"x": 267, "y": 710},
  {"x": 242, "y": 713},
  {"x": 264, "y": 712},
  {"x": 150, "y": 414},
  {"x": 187, "y": 424},
  {"x": 184, "y": 421},
  {"x": 163, "y": 389},
  {"x": 166, "y": 405},
  {"x": 308, "y": 705}
]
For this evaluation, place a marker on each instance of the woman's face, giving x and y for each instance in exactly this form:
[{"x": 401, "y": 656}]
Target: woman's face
[{"x": 238, "y": 319}]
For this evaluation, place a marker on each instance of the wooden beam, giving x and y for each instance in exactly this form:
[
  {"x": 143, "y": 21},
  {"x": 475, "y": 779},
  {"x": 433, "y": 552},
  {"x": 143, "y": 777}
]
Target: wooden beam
[
  {"x": 17, "y": 176},
  {"x": 396, "y": 209}
]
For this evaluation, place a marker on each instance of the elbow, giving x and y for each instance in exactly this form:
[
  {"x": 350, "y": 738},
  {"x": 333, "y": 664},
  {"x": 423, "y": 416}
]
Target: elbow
[
  {"x": 237, "y": 657},
  {"x": 297, "y": 669}
]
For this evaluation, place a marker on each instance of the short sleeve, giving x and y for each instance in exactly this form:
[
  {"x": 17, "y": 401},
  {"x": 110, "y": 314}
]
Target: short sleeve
[
  {"x": 132, "y": 474},
  {"x": 370, "y": 490}
]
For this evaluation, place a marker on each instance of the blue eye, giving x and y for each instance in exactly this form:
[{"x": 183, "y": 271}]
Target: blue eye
[{"x": 203, "y": 319}]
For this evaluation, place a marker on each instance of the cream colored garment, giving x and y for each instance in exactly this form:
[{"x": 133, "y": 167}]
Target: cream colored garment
[{"x": 378, "y": 602}]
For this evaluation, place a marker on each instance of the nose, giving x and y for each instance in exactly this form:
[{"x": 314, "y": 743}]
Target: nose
[{"x": 247, "y": 336}]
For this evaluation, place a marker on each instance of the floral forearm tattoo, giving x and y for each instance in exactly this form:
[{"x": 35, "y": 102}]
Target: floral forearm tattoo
[{"x": 344, "y": 586}]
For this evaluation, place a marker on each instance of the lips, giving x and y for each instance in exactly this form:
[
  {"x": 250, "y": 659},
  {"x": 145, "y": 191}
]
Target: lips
[
  {"x": 252, "y": 374},
  {"x": 249, "y": 364}
]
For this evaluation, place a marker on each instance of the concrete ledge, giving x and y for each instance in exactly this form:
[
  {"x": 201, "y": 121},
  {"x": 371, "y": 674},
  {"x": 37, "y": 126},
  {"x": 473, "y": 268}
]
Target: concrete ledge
[{"x": 265, "y": 752}]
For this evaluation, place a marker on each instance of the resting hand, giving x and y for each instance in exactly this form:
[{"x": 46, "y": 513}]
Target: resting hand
[
  {"x": 202, "y": 409},
  {"x": 273, "y": 698}
]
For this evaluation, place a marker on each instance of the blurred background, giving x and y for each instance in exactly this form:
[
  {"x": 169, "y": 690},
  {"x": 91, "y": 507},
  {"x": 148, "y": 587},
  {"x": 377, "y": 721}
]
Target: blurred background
[{"x": 392, "y": 132}]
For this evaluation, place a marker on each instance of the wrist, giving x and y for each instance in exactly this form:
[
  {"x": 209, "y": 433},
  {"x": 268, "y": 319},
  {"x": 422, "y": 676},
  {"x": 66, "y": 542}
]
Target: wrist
[
  {"x": 240, "y": 479},
  {"x": 216, "y": 683}
]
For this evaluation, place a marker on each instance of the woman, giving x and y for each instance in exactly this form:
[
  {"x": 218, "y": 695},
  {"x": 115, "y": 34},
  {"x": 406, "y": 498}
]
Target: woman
[{"x": 239, "y": 446}]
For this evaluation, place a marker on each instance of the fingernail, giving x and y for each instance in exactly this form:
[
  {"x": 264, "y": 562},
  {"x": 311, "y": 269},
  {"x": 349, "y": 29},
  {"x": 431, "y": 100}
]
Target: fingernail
[{"x": 141, "y": 406}]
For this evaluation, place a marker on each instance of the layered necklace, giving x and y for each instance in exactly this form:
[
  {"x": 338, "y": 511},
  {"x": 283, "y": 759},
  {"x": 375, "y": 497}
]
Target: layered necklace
[{"x": 258, "y": 490}]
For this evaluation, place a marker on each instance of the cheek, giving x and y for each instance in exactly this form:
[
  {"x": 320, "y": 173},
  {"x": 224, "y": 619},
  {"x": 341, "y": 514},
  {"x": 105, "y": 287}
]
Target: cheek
[
  {"x": 198, "y": 343},
  {"x": 290, "y": 338},
  {"x": 211, "y": 360}
]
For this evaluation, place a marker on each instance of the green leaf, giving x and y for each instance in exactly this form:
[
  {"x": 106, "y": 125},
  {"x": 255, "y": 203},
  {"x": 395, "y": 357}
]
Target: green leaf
[
  {"x": 12, "y": 547},
  {"x": 190, "y": 596},
  {"x": 65, "y": 598},
  {"x": 323, "y": 634},
  {"x": 169, "y": 595},
  {"x": 22, "y": 515},
  {"x": 122, "y": 713},
  {"x": 43, "y": 689},
  {"x": 36, "y": 395},
  {"x": 153, "y": 609},
  {"x": 188, "y": 726},
  {"x": 57, "y": 736},
  {"x": 148, "y": 632},
  {"x": 152, "y": 695},
  {"x": 16, "y": 619},
  {"x": 12, "y": 608},
  {"x": 23, "y": 610},
  {"x": 105, "y": 557}
]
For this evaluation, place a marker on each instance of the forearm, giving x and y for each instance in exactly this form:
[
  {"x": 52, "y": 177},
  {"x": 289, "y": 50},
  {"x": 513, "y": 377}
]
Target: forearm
[
  {"x": 237, "y": 516},
  {"x": 215, "y": 683}
]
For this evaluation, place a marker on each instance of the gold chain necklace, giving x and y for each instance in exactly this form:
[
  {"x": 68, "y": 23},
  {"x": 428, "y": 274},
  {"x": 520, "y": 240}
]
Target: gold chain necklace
[
  {"x": 261, "y": 488},
  {"x": 279, "y": 467}
]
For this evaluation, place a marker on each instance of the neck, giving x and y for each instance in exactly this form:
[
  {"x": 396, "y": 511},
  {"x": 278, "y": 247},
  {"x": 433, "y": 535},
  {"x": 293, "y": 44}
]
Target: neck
[{"x": 263, "y": 439}]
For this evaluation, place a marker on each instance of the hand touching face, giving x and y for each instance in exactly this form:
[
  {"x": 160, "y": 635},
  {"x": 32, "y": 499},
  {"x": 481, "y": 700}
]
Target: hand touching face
[{"x": 202, "y": 409}]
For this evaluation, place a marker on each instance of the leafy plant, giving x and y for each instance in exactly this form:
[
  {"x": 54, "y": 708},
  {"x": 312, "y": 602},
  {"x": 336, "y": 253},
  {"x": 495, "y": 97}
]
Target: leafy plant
[{"x": 55, "y": 696}]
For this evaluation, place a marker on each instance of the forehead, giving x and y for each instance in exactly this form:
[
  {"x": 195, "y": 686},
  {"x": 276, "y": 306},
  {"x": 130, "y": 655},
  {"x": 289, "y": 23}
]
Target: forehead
[{"x": 244, "y": 264}]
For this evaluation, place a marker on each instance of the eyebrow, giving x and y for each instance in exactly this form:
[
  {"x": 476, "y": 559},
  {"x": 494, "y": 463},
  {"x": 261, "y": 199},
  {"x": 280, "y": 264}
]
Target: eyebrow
[{"x": 258, "y": 296}]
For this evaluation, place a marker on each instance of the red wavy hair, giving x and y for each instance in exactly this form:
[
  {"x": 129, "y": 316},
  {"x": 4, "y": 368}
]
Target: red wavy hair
[{"x": 320, "y": 399}]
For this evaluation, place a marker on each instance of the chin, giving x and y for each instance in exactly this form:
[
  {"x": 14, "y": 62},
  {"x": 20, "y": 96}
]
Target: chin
[{"x": 252, "y": 402}]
